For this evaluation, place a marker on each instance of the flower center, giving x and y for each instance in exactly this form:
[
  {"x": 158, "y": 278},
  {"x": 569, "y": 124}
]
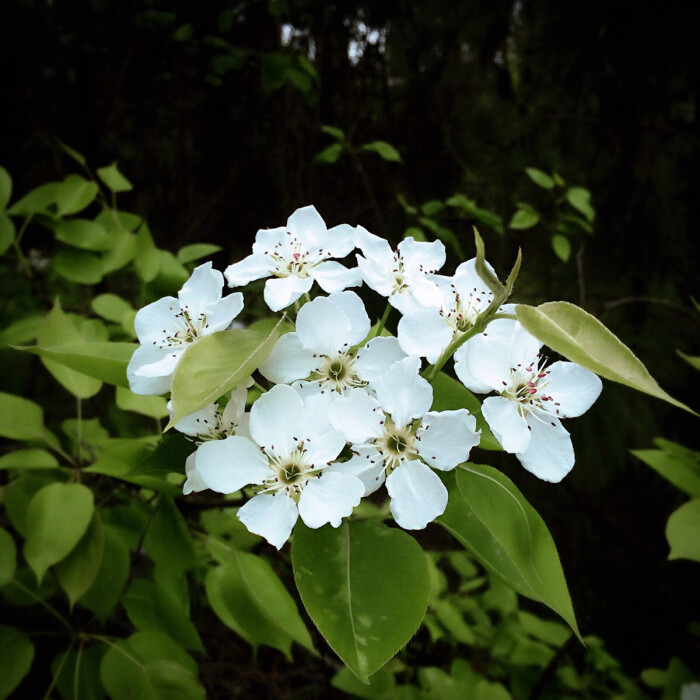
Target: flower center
[
  {"x": 396, "y": 445},
  {"x": 290, "y": 473},
  {"x": 337, "y": 373},
  {"x": 527, "y": 387},
  {"x": 189, "y": 328},
  {"x": 291, "y": 260}
]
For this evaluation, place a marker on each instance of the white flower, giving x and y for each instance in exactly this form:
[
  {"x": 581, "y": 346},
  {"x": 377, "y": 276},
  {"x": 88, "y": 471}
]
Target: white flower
[
  {"x": 395, "y": 437},
  {"x": 322, "y": 348},
  {"x": 690, "y": 691},
  {"x": 525, "y": 417},
  {"x": 167, "y": 327},
  {"x": 401, "y": 276},
  {"x": 286, "y": 457},
  {"x": 426, "y": 331},
  {"x": 294, "y": 256}
]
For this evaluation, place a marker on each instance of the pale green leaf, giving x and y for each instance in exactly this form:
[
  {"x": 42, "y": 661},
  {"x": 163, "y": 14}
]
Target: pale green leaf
[
  {"x": 83, "y": 233},
  {"x": 216, "y": 363},
  {"x": 196, "y": 251},
  {"x": 583, "y": 339},
  {"x": 681, "y": 471},
  {"x": 74, "y": 194},
  {"x": 28, "y": 459},
  {"x": 114, "y": 180},
  {"x": 540, "y": 178},
  {"x": 8, "y": 557},
  {"x": 121, "y": 253},
  {"x": 22, "y": 419},
  {"x": 151, "y": 406},
  {"x": 580, "y": 199},
  {"x": 5, "y": 188},
  {"x": 683, "y": 531},
  {"x": 330, "y": 154},
  {"x": 147, "y": 260},
  {"x": 57, "y": 517},
  {"x": 365, "y": 586},
  {"x": 524, "y": 219},
  {"x": 7, "y": 232},
  {"x": 79, "y": 266},
  {"x": 561, "y": 247},
  {"x": 692, "y": 360},
  {"x": 337, "y": 133},
  {"x": 37, "y": 201},
  {"x": 113, "y": 308},
  {"x": 384, "y": 150},
  {"x": 16, "y": 656},
  {"x": 492, "y": 519},
  {"x": 21, "y": 331}
]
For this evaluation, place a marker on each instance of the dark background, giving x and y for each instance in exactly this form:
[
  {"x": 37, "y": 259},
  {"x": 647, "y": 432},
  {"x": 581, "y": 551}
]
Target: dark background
[{"x": 216, "y": 121}]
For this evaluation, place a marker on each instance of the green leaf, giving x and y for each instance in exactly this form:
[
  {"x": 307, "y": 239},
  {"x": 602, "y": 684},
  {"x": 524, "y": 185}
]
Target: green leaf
[
  {"x": 28, "y": 459},
  {"x": 74, "y": 194},
  {"x": 77, "y": 572},
  {"x": 114, "y": 180},
  {"x": 580, "y": 199},
  {"x": 415, "y": 233},
  {"x": 75, "y": 155},
  {"x": 692, "y": 360},
  {"x": 330, "y": 154},
  {"x": 104, "y": 361},
  {"x": 16, "y": 656},
  {"x": 147, "y": 258},
  {"x": 492, "y": 519},
  {"x": 151, "y": 406},
  {"x": 113, "y": 308},
  {"x": 19, "y": 492},
  {"x": 8, "y": 557},
  {"x": 683, "y": 472},
  {"x": 83, "y": 233},
  {"x": 168, "y": 540},
  {"x": 7, "y": 232},
  {"x": 21, "y": 331},
  {"x": 121, "y": 253},
  {"x": 216, "y": 363},
  {"x": 79, "y": 266},
  {"x": 365, "y": 586},
  {"x": 248, "y": 597},
  {"x": 152, "y": 608},
  {"x": 196, "y": 251},
  {"x": 683, "y": 531},
  {"x": 583, "y": 339},
  {"x": 561, "y": 247},
  {"x": 470, "y": 208},
  {"x": 334, "y": 131},
  {"x": 5, "y": 188},
  {"x": 523, "y": 219},
  {"x": 148, "y": 666},
  {"x": 112, "y": 573},
  {"x": 579, "y": 221},
  {"x": 383, "y": 149},
  {"x": 539, "y": 178},
  {"x": 37, "y": 201},
  {"x": 77, "y": 673},
  {"x": 57, "y": 517},
  {"x": 21, "y": 419},
  {"x": 451, "y": 395}
]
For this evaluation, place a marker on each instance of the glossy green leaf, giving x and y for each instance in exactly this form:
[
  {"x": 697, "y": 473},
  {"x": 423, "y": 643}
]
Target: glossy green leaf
[
  {"x": 524, "y": 219},
  {"x": 19, "y": 492},
  {"x": 451, "y": 395},
  {"x": 151, "y": 406},
  {"x": 24, "y": 460},
  {"x": 114, "y": 180},
  {"x": 561, "y": 247},
  {"x": 152, "y": 608},
  {"x": 112, "y": 573},
  {"x": 493, "y": 520},
  {"x": 365, "y": 586},
  {"x": 79, "y": 266},
  {"x": 149, "y": 667},
  {"x": 215, "y": 364},
  {"x": 22, "y": 419},
  {"x": 5, "y": 188},
  {"x": 147, "y": 260},
  {"x": 57, "y": 517},
  {"x": 681, "y": 470},
  {"x": 580, "y": 199},
  {"x": 77, "y": 572},
  {"x": 83, "y": 233},
  {"x": 7, "y": 232},
  {"x": 36, "y": 201},
  {"x": 8, "y": 557},
  {"x": 583, "y": 339},
  {"x": 248, "y": 597},
  {"x": 196, "y": 251},
  {"x": 106, "y": 362},
  {"x": 330, "y": 154},
  {"x": 683, "y": 531},
  {"x": 540, "y": 178},
  {"x": 334, "y": 131},
  {"x": 74, "y": 194},
  {"x": 77, "y": 673},
  {"x": 168, "y": 540},
  {"x": 384, "y": 150},
  {"x": 16, "y": 656}
]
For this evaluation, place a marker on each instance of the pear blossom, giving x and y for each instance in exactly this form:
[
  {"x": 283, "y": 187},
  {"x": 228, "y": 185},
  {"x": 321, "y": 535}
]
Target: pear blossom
[
  {"x": 532, "y": 400},
  {"x": 167, "y": 327},
  {"x": 396, "y": 439},
  {"x": 403, "y": 277},
  {"x": 294, "y": 256},
  {"x": 285, "y": 458},
  {"x": 320, "y": 356}
]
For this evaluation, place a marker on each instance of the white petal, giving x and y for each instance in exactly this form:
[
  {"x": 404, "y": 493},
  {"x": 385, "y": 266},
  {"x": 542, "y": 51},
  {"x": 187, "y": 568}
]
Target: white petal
[
  {"x": 421, "y": 255},
  {"x": 220, "y": 314},
  {"x": 276, "y": 418},
  {"x": 228, "y": 465},
  {"x": 156, "y": 363},
  {"x": 376, "y": 276},
  {"x": 309, "y": 228},
  {"x": 201, "y": 289},
  {"x": 373, "y": 247},
  {"x": 366, "y": 465},
  {"x": 357, "y": 416},
  {"x": 403, "y": 393},
  {"x": 280, "y": 292},
  {"x": 489, "y": 361},
  {"x": 340, "y": 240},
  {"x": 524, "y": 347},
  {"x": 235, "y": 406},
  {"x": 194, "y": 482},
  {"x": 352, "y": 306},
  {"x": 509, "y": 427},
  {"x": 288, "y": 361},
  {"x": 156, "y": 321},
  {"x": 267, "y": 240},
  {"x": 424, "y": 332},
  {"x": 197, "y": 423},
  {"x": 334, "y": 277},
  {"x": 417, "y": 495},
  {"x": 550, "y": 454},
  {"x": 322, "y": 447},
  {"x": 143, "y": 384},
  {"x": 571, "y": 386},
  {"x": 254, "y": 267},
  {"x": 421, "y": 292},
  {"x": 463, "y": 373},
  {"x": 271, "y": 517},
  {"x": 323, "y": 327},
  {"x": 375, "y": 358},
  {"x": 467, "y": 280},
  {"x": 329, "y": 499},
  {"x": 445, "y": 439}
]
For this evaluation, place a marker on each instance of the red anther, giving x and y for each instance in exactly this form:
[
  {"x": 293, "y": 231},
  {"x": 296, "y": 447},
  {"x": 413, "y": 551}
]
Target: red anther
[
  {"x": 296, "y": 256},
  {"x": 532, "y": 390},
  {"x": 540, "y": 375},
  {"x": 530, "y": 384}
]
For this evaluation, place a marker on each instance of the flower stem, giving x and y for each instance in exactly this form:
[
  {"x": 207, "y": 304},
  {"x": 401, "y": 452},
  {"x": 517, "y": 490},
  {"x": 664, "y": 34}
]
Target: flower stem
[{"x": 382, "y": 322}]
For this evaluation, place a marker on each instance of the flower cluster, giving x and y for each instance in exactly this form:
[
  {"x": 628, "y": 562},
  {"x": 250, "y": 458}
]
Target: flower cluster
[{"x": 345, "y": 407}]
